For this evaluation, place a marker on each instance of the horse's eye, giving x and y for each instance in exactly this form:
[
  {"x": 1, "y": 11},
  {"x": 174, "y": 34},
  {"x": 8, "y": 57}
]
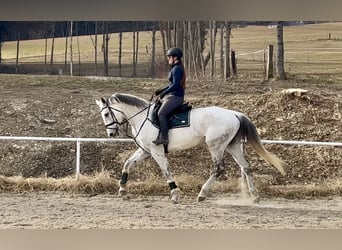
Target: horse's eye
[{"x": 106, "y": 114}]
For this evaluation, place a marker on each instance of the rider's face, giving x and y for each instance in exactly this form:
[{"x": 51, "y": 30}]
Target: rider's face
[{"x": 171, "y": 60}]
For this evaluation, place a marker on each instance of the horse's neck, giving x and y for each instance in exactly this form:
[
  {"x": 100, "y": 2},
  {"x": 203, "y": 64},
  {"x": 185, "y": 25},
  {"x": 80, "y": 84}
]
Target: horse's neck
[{"x": 135, "y": 115}]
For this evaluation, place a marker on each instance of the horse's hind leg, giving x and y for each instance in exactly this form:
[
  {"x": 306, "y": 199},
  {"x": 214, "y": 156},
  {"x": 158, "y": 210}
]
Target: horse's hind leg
[
  {"x": 219, "y": 168},
  {"x": 138, "y": 155},
  {"x": 217, "y": 151},
  {"x": 236, "y": 150}
]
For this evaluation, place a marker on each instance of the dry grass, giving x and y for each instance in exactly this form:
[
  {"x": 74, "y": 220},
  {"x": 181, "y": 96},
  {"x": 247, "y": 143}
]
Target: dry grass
[{"x": 189, "y": 185}]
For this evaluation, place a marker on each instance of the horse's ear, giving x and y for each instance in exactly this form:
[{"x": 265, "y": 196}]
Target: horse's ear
[
  {"x": 100, "y": 103},
  {"x": 103, "y": 100}
]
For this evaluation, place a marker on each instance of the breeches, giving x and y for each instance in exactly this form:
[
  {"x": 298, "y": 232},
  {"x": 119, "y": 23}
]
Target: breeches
[{"x": 170, "y": 104}]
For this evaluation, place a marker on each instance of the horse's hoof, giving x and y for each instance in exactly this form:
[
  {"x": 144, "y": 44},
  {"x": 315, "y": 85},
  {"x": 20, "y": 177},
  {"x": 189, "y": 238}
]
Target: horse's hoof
[
  {"x": 122, "y": 192},
  {"x": 256, "y": 200},
  {"x": 201, "y": 198},
  {"x": 174, "y": 201},
  {"x": 175, "y": 196}
]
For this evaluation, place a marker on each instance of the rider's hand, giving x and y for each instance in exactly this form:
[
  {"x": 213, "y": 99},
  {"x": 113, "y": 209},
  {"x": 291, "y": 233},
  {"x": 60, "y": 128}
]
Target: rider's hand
[{"x": 157, "y": 92}]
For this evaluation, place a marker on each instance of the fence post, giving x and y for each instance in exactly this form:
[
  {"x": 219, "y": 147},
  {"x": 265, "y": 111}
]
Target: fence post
[
  {"x": 269, "y": 72},
  {"x": 233, "y": 62},
  {"x": 78, "y": 157}
]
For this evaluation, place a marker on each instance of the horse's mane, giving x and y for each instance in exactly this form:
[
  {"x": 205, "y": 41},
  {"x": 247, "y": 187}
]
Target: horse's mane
[{"x": 129, "y": 100}]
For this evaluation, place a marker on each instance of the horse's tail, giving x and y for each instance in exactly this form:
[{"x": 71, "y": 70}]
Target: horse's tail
[{"x": 250, "y": 135}]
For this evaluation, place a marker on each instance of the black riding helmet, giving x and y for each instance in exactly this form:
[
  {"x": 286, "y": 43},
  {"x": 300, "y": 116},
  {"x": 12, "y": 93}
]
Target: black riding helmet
[{"x": 175, "y": 52}]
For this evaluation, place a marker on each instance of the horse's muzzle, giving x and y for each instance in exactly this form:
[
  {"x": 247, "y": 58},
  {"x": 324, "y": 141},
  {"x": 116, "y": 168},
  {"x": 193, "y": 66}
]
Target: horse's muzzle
[{"x": 113, "y": 132}]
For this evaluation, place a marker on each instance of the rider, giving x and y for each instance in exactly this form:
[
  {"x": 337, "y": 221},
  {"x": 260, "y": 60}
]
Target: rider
[{"x": 172, "y": 95}]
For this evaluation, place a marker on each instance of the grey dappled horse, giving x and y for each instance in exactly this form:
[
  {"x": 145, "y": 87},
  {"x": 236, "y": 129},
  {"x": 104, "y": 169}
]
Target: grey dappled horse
[{"x": 223, "y": 130}]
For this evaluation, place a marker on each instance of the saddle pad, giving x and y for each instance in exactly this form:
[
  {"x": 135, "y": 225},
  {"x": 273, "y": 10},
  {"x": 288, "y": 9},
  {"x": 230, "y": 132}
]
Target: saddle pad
[
  {"x": 177, "y": 120},
  {"x": 180, "y": 120}
]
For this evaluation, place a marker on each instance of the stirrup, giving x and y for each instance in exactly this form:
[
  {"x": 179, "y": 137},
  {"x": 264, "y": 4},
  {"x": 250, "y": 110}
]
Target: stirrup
[{"x": 159, "y": 141}]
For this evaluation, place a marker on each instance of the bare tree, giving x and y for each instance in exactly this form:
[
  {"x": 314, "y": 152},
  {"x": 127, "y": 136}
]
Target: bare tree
[
  {"x": 227, "y": 28},
  {"x": 212, "y": 30},
  {"x": 71, "y": 59},
  {"x": 153, "y": 56},
  {"x": 94, "y": 41},
  {"x": 120, "y": 53},
  {"x": 163, "y": 32},
  {"x": 53, "y": 25},
  {"x": 17, "y": 57},
  {"x": 280, "y": 51},
  {"x": 66, "y": 46},
  {"x": 78, "y": 51},
  {"x": 135, "y": 49},
  {"x": 105, "y": 49}
]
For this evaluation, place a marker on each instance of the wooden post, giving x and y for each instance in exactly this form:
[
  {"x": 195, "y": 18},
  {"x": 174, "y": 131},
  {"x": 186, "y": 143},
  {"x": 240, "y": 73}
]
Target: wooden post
[
  {"x": 270, "y": 73},
  {"x": 233, "y": 63}
]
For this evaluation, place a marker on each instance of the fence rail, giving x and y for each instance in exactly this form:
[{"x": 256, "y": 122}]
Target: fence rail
[{"x": 79, "y": 140}]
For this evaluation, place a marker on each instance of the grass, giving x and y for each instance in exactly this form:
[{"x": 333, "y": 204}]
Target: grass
[
  {"x": 102, "y": 183},
  {"x": 308, "y": 50}
]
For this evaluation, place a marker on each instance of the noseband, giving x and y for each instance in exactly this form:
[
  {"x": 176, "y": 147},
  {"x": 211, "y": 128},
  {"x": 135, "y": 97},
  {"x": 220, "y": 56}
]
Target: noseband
[{"x": 115, "y": 120}]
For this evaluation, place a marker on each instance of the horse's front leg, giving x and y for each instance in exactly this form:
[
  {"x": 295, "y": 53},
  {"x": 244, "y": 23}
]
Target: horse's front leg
[
  {"x": 138, "y": 155},
  {"x": 159, "y": 156}
]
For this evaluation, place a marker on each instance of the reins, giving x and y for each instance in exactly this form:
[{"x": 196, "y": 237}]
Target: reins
[{"x": 126, "y": 121}]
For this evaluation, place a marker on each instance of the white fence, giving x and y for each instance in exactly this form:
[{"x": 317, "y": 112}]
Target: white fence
[{"x": 79, "y": 140}]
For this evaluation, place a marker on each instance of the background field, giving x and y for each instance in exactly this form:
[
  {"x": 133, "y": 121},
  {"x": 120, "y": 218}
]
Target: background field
[{"x": 313, "y": 49}]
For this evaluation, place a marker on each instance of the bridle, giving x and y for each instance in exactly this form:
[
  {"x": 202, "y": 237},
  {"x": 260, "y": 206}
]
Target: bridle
[{"x": 125, "y": 121}]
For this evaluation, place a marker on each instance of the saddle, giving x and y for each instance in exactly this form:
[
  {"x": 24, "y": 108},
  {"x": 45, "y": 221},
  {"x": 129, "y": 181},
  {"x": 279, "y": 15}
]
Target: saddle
[{"x": 178, "y": 119}]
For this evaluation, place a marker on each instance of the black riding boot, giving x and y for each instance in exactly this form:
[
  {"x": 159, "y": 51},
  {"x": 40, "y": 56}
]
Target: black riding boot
[{"x": 163, "y": 137}]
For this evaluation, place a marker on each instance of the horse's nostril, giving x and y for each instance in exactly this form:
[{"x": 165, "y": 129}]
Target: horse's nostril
[{"x": 111, "y": 134}]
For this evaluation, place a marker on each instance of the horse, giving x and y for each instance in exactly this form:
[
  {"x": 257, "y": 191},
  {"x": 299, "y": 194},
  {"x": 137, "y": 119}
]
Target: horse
[{"x": 223, "y": 130}]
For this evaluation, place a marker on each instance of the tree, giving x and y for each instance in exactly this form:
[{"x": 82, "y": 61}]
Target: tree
[
  {"x": 280, "y": 51},
  {"x": 2, "y": 36},
  {"x": 71, "y": 58},
  {"x": 105, "y": 49},
  {"x": 153, "y": 56},
  {"x": 227, "y": 28},
  {"x": 94, "y": 41}
]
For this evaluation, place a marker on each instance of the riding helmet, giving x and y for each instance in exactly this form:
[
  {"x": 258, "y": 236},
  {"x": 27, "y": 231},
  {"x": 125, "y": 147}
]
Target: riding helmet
[{"x": 175, "y": 52}]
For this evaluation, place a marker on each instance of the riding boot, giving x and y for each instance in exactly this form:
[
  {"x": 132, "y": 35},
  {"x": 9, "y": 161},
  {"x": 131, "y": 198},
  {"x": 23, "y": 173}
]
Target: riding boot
[{"x": 163, "y": 137}]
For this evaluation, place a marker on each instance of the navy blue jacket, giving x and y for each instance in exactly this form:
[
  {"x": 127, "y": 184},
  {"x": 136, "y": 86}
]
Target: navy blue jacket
[{"x": 175, "y": 86}]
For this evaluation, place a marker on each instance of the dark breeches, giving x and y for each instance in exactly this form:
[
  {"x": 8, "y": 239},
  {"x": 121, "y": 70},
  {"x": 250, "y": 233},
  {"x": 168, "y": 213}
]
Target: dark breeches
[{"x": 170, "y": 104}]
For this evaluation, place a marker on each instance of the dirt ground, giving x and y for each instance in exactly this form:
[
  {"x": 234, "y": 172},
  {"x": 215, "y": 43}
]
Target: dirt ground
[
  {"x": 61, "y": 211},
  {"x": 65, "y": 107}
]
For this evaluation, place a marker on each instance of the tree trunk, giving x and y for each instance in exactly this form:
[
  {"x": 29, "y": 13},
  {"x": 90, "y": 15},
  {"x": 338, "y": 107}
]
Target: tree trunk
[
  {"x": 227, "y": 73},
  {"x": 168, "y": 35},
  {"x": 45, "y": 52},
  {"x": 52, "y": 45},
  {"x": 153, "y": 56},
  {"x": 120, "y": 53},
  {"x": 162, "y": 32},
  {"x": 212, "y": 28},
  {"x": 17, "y": 57},
  {"x": 200, "y": 47},
  {"x": 66, "y": 47},
  {"x": 105, "y": 48},
  {"x": 78, "y": 51},
  {"x": 71, "y": 59},
  {"x": 95, "y": 48},
  {"x": 221, "y": 50},
  {"x": 134, "y": 57},
  {"x": 280, "y": 51}
]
